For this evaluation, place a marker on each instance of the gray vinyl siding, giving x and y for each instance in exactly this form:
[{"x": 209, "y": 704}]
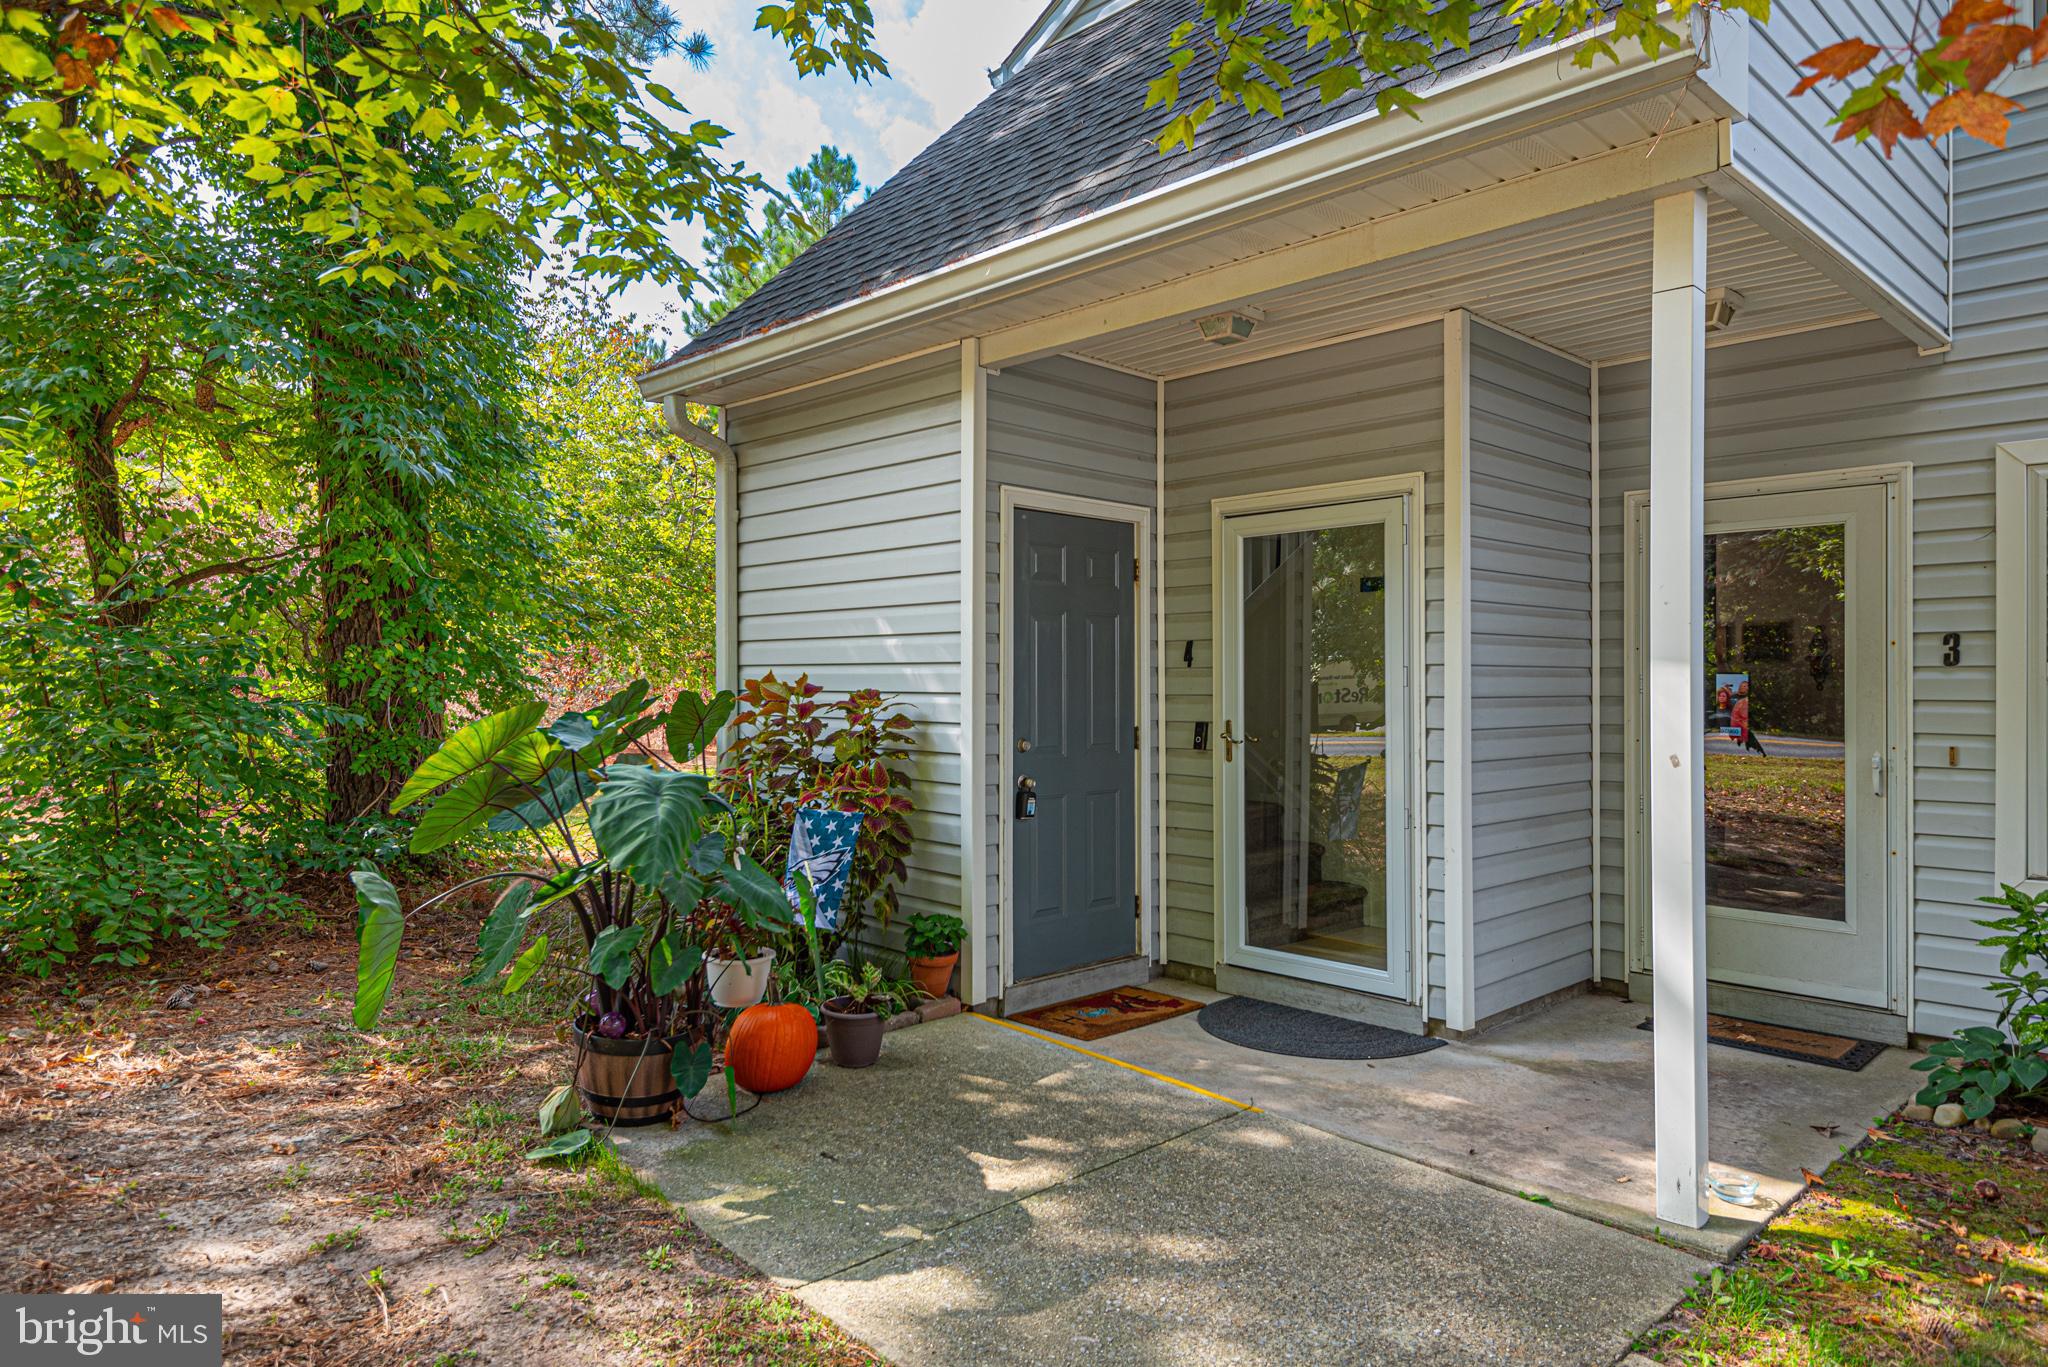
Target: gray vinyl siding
[
  {"x": 1888, "y": 214},
  {"x": 849, "y": 568},
  {"x": 1072, "y": 428},
  {"x": 1532, "y": 676},
  {"x": 1857, "y": 396},
  {"x": 1353, "y": 410}
]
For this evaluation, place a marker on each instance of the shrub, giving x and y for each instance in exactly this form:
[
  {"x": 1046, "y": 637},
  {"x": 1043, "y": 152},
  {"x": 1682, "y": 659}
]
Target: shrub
[
  {"x": 150, "y": 787},
  {"x": 796, "y": 748},
  {"x": 1989, "y": 1064}
]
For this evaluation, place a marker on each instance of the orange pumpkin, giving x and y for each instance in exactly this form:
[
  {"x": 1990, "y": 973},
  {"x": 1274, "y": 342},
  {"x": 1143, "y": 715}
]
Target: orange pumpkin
[{"x": 771, "y": 1046}]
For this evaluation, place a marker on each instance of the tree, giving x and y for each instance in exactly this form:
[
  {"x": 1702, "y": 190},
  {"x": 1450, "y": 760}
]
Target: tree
[
  {"x": 1948, "y": 67},
  {"x": 820, "y": 193},
  {"x": 558, "y": 138},
  {"x": 632, "y": 531}
]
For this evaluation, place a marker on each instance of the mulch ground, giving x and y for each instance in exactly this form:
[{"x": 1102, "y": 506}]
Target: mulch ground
[{"x": 358, "y": 1199}]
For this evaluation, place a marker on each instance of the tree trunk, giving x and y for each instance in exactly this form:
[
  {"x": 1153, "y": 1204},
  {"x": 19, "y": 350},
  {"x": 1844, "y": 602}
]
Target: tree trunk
[{"x": 375, "y": 640}]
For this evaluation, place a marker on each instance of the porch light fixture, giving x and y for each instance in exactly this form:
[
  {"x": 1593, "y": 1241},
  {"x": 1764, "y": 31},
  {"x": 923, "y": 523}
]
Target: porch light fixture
[
  {"x": 1722, "y": 304},
  {"x": 1228, "y": 329}
]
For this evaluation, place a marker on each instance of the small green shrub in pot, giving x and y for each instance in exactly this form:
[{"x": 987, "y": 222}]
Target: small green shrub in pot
[
  {"x": 624, "y": 847},
  {"x": 858, "y": 1000},
  {"x": 932, "y": 942},
  {"x": 1985, "y": 1067}
]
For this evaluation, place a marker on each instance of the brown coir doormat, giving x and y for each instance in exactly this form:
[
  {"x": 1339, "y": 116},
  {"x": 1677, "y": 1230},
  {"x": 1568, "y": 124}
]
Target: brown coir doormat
[
  {"x": 1107, "y": 1013},
  {"x": 1808, "y": 1046}
]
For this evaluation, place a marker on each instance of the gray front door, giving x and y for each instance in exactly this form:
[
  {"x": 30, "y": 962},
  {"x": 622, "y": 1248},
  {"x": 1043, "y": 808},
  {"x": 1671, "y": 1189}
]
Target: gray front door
[{"x": 1074, "y": 876}]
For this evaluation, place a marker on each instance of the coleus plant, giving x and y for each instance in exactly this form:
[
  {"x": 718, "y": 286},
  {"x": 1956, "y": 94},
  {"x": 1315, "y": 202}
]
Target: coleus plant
[{"x": 629, "y": 842}]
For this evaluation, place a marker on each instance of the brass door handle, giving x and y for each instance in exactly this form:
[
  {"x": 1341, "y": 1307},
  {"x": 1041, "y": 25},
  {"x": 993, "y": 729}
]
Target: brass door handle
[{"x": 1230, "y": 742}]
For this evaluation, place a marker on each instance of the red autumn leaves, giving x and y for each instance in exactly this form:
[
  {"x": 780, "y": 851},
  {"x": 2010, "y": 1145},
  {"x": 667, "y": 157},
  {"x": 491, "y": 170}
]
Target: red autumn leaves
[
  {"x": 1976, "y": 44},
  {"x": 81, "y": 52}
]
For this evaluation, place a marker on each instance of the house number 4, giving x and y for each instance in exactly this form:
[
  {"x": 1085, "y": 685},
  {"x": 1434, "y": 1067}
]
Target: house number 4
[{"x": 1952, "y": 648}]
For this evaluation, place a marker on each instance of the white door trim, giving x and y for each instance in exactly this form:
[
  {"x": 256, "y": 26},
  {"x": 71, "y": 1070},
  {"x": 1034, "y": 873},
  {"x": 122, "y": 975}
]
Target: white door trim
[
  {"x": 1897, "y": 482},
  {"x": 1224, "y": 854},
  {"x": 1143, "y": 553}
]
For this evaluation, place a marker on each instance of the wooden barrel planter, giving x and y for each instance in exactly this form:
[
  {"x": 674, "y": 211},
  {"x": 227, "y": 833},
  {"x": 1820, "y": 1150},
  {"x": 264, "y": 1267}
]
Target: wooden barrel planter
[{"x": 626, "y": 1081}]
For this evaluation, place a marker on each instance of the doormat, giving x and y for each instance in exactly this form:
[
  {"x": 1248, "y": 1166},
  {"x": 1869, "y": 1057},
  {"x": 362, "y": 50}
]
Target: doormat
[
  {"x": 1782, "y": 1041},
  {"x": 1107, "y": 1013},
  {"x": 1275, "y": 1029}
]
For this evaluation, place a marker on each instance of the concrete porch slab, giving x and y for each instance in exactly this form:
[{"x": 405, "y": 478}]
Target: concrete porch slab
[
  {"x": 1558, "y": 1104},
  {"x": 985, "y": 1195},
  {"x": 1258, "y": 1240},
  {"x": 957, "y": 1118}
]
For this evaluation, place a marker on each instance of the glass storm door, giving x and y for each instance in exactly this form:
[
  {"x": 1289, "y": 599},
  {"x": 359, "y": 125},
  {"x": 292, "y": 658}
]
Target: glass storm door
[
  {"x": 1313, "y": 682},
  {"x": 1797, "y": 762}
]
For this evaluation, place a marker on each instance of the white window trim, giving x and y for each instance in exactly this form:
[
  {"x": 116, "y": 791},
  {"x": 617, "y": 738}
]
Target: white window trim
[{"x": 2020, "y": 494}]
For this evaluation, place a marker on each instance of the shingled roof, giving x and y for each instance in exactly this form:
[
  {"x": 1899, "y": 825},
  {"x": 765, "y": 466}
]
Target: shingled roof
[{"x": 1065, "y": 137}]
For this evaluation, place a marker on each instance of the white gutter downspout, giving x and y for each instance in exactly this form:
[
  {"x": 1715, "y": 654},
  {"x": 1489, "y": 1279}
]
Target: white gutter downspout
[
  {"x": 724, "y": 529},
  {"x": 1593, "y": 391}
]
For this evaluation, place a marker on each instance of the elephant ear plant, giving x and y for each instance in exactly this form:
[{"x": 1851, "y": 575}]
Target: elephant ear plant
[{"x": 630, "y": 844}]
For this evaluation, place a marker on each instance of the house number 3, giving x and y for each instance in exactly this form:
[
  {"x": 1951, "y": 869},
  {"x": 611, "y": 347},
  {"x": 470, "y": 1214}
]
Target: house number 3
[{"x": 1952, "y": 648}]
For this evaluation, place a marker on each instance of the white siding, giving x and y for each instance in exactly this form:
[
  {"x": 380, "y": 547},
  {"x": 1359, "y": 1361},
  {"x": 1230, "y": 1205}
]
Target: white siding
[
  {"x": 1859, "y": 396},
  {"x": 1350, "y": 411},
  {"x": 849, "y": 568},
  {"x": 1532, "y": 652},
  {"x": 1890, "y": 214},
  {"x": 1072, "y": 428}
]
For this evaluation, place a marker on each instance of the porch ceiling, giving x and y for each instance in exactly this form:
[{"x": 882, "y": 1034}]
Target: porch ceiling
[
  {"x": 1515, "y": 154},
  {"x": 1581, "y": 285}
]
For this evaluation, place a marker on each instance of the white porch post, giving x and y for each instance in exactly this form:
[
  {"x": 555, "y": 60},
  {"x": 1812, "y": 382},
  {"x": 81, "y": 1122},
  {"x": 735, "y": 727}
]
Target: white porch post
[{"x": 1677, "y": 815}]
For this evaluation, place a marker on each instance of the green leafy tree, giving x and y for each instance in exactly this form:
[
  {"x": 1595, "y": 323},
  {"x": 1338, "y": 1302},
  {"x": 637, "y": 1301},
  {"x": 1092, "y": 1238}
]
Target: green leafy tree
[
  {"x": 738, "y": 263},
  {"x": 630, "y": 501},
  {"x": 326, "y": 107}
]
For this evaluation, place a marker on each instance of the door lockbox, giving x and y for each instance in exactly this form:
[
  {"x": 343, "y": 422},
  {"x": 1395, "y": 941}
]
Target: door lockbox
[{"x": 1027, "y": 799}]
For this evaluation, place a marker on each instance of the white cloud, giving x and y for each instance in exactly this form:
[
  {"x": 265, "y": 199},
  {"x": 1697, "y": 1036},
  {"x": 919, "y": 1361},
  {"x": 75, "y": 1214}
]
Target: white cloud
[{"x": 938, "y": 51}]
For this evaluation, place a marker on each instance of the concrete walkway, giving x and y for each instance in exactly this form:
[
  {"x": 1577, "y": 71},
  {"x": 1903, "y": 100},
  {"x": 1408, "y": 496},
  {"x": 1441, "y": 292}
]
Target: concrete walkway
[
  {"x": 988, "y": 1195},
  {"x": 1559, "y": 1104}
]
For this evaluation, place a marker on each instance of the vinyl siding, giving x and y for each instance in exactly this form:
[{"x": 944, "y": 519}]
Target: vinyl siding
[
  {"x": 1858, "y": 396},
  {"x": 1353, "y": 410},
  {"x": 1532, "y": 652},
  {"x": 849, "y": 568},
  {"x": 1073, "y": 428},
  {"x": 1889, "y": 214}
]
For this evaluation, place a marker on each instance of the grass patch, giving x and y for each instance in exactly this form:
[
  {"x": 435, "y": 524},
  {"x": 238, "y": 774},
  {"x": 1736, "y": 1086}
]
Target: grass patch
[{"x": 1924, "y": 1247}]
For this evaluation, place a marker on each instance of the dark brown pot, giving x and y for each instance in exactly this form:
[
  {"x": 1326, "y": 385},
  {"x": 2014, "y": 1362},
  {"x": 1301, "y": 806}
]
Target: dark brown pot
[
  {"x": 626, "y": 1081},
  {"x": 933, "y": 976},
  {"x": 853, "y": 1037}
]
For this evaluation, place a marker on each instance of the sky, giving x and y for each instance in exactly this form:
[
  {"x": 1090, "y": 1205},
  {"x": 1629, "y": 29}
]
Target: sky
[{"x": 939, "y": 53}]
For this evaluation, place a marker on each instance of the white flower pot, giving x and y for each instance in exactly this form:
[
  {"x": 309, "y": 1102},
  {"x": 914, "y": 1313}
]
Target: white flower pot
[{"x": 738, "y": 982}]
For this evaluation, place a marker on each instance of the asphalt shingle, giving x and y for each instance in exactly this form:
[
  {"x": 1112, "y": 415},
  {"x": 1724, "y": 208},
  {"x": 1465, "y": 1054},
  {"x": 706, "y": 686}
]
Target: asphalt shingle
[{"x": 1066, "y": 137}]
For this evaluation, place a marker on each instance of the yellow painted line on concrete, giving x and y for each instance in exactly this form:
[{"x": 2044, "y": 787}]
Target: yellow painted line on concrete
[{"x": 1157, "y": 1077}]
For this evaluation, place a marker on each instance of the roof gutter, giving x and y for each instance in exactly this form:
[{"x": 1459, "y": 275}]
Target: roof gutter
[{"x": 1527, "y": 90}]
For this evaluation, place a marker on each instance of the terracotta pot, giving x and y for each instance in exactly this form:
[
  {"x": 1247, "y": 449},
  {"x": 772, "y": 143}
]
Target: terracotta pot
[
  {"x": 933, "y": 976},
  {"x": 771, "y": 1048},
  {"x": 626, "y": 1081},
  {"x": 854, "y": 1037},
  {"x": 738, "y": 982}
]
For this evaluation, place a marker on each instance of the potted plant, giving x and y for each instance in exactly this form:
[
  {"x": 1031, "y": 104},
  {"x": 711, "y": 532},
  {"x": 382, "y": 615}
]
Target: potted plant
[
  {"x": 932, "y": 940},
  {"x": 624, "y": 846},
  {"x": 736, "y": 964},
  {"x": 856, "y": 1003}
]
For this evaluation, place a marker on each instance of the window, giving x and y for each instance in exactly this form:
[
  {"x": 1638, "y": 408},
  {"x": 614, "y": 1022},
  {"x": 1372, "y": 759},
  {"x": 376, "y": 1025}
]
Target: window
[{"x": 2021, "y": 831}]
